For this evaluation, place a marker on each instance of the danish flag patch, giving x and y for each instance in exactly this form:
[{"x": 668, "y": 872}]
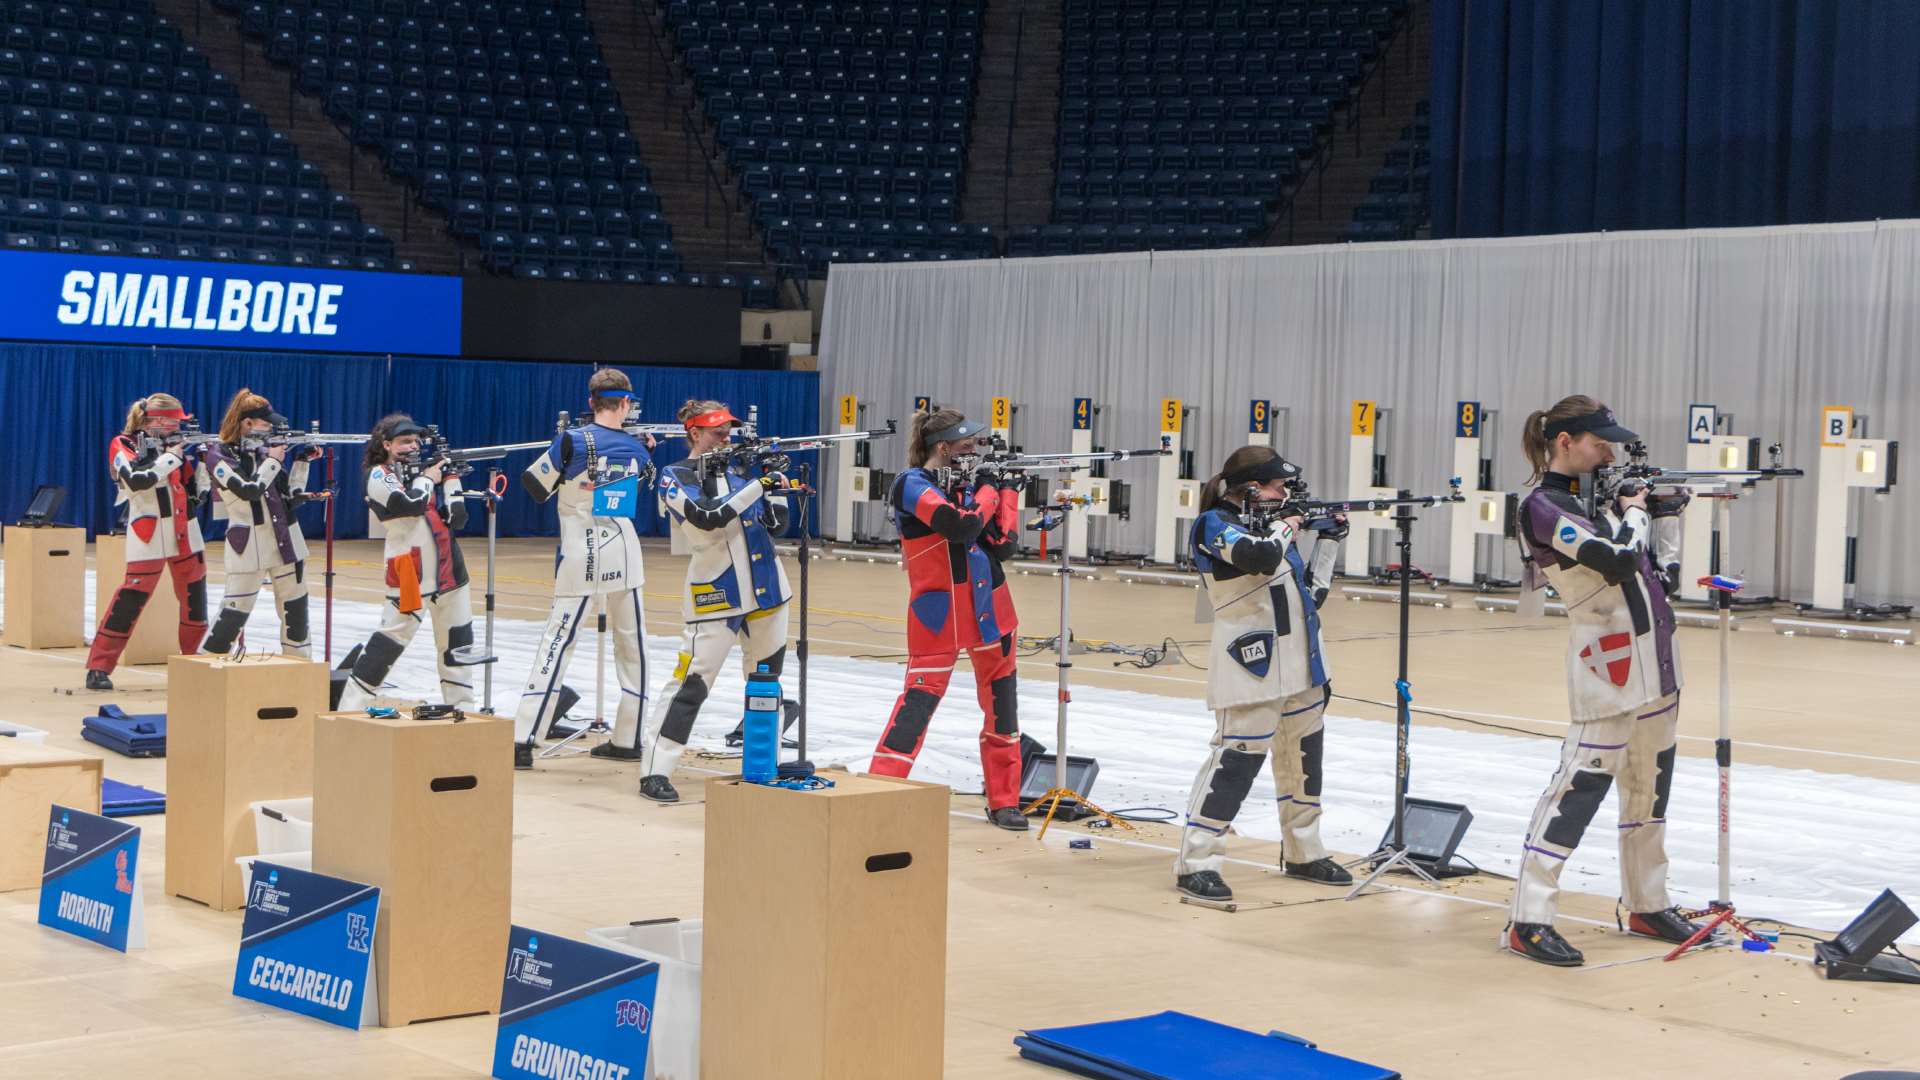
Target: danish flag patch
[{"x": 1611, "y": 657}]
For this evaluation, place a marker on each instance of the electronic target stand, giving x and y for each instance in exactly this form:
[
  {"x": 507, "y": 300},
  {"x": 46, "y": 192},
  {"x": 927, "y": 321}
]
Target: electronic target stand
[
  {"x": 1710, "y": 445},
  {"x": 1848, "y": 460},
  {"x": 1177, "y": 494},
  {"x": 1484, "y": 511},
  {"x": 856, "y": 481},
  {"x": 1367, "y": 479}
]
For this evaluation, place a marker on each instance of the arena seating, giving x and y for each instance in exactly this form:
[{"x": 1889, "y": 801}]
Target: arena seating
[
  {"x": 847, "y": 122},
  {"x": 118, "y": 138},
  {"x": 1186, "y": 123},
  {"x": 1396, "y": 205},
  {"x": 500, "y": 115}
]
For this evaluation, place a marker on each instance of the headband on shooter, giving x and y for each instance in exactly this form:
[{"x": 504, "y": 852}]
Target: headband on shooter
[
  {"x": 1601, "y": 422},
  {"x": 1274, "y": 468},
  {"x": 954, "y": 432},
  {"x": 711, "y": 418}
]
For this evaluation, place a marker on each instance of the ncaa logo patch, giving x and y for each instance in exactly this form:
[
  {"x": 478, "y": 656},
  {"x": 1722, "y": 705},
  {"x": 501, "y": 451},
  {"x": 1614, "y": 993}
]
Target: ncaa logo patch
[{"x": 1567, "y": 534}]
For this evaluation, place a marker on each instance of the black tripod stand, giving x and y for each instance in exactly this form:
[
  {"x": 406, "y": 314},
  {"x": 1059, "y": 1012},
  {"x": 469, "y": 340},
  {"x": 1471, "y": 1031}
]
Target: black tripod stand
[
  {"x": 1393, "y": 852},
  {"x": 801, "y": 493}
]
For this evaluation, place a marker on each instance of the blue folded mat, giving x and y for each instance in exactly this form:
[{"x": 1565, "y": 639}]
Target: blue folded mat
[
  {"x": 142, "y": 735},
  {"x": 1175, "y": 1046},
  {"x": 129, "y": 800}
]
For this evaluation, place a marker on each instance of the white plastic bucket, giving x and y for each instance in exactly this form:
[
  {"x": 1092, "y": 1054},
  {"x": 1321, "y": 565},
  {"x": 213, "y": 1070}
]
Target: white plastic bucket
[
  {"x": 673, "y": 1052},
  {"x": 281, "y": 825},
  {"x": 298, "y": 860}
]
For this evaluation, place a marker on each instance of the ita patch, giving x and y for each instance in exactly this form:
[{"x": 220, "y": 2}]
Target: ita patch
[{"x": 1253, "y": 651}]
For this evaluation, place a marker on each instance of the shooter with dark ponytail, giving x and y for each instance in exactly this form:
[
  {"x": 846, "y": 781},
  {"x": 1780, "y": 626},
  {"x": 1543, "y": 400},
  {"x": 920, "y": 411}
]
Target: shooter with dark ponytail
[
  {"x": 1623, "y": 676},
  {"x": 957, "y": 525}
]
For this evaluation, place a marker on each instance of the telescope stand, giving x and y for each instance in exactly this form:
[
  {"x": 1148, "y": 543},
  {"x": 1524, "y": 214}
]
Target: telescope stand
[
  {"x": 1060, "y": 516},
  {"x": 1394, "y": 853}
]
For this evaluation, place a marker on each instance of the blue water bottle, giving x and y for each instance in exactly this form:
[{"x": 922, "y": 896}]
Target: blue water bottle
[{"x": 761, "y": 760}]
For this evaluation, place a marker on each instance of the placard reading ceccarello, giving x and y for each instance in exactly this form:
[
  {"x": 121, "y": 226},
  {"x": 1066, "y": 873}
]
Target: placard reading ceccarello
[{"x": 59, "y": 297}]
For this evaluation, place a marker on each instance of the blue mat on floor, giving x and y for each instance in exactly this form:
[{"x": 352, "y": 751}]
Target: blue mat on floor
[
  {"x": 1175, "y": 1046},
  {"x": 129, "y": 800},
  {"x": 141, "y": 735}
]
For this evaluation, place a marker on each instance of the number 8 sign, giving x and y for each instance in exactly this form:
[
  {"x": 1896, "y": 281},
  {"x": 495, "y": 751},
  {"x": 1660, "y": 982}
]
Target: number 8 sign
[{"x": 1466, "y": 423}]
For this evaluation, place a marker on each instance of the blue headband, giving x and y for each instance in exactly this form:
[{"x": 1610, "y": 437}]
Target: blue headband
[{"x": 609, "y": 393}]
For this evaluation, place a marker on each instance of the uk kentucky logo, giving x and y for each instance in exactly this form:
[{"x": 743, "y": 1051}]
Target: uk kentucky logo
[
  {"x": 359, "y": 934},
  {"x": 628, "y": 1012}
]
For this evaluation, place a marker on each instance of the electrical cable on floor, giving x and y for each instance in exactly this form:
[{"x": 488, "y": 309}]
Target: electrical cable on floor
[{"x": 1450, "y": 716}]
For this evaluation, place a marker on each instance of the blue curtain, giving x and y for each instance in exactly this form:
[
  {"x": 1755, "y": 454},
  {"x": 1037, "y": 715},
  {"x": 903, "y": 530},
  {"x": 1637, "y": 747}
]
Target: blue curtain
[
  {"x": 64, "y": 403},
  {"x": 1569, "y": 116}
]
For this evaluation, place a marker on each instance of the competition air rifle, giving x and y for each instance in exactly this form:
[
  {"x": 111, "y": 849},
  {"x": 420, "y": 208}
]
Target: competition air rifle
[
  {"x": 774, "y": 454},
  {"x": 1679, "y": 484},
  {"x": 435, "y": 449},
  {"x": 1300, "y": 502},
  {"x": 640, "y": 429},
  {"x": 998, "y": 462},
  {"x": 283, "y": 434},
  {"x": 188, "y": 435}
]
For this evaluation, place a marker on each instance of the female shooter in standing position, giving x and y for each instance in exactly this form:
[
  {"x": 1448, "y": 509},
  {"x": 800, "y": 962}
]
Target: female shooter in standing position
[
  {"x": 736, "y": 590},
  {"x": 163, "y": 487},
  {"x": 1623, "y": 675},
  {"x": 264, "y": 544},
  {"x": 1267, "y": 681},
  {"x": 421, "y": 507},
  {"x": 956, "y": 528}
]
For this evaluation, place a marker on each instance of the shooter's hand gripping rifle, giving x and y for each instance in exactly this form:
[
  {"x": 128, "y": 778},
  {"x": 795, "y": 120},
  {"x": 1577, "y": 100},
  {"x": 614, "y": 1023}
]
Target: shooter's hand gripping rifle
[{"x": 1680, "y": 484}]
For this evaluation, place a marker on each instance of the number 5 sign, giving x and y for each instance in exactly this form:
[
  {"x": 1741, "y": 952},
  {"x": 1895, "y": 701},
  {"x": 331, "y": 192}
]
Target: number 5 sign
[{"x": 1170, "y": 411}]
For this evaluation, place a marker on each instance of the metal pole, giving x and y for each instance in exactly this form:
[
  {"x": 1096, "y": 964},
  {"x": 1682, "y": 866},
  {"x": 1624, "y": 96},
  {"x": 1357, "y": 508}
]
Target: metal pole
[
  {"x": 1060, "y": 657},
  {"x": 1402, "y": 694},
  {"x": 600, "y": 667},
  {"x": 332, "y": 494},
  {"x": 1723, "y": 746},
  {"x": 493, "y": 532},
  {"x": 806, "y": 557}
]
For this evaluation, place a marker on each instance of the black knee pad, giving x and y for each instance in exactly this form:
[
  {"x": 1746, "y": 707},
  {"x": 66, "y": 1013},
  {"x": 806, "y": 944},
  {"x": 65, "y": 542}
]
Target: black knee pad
[
  {"x": 682, "y": 710},
  {"x": 124, "y": 611},
  {"x": 1006, "y": 706},
  {"x": 1228, "y": 787},
  {"x": 1310, "y": 748},
  {"x": 910, "y": 721},
  {"x": 1662, "y": 782},
  {"x": 225, "y": 629},
  {"x": 776, "y": 661},
  {"x": 1577, "y": 808},
  {"x": 293, "y": 616},
  {"x": 300, "y": 572},
  {"x": 377, "y": 659},
  {"x": 459, "y": 637},
  {"x": 197, "y": 601}
]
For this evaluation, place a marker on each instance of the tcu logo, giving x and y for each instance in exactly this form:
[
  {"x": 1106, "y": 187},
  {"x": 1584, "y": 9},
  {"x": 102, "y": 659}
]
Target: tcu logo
[{"x": 628, "y": 1012}]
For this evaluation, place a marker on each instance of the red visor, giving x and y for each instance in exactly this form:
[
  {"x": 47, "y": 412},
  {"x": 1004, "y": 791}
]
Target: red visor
[
  {"x": 169, "y": 414},
  {"x": 712, "y": 419}
]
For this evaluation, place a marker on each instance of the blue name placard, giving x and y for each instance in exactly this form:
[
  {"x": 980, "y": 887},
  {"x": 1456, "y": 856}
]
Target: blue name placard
[
  {"x": 306, "y": 944},
  {"x": 570, "y": 1009},
  {"x": 90, "y": 880},
  {"x": 60, "y": 297},
  {"x": 618, "y": 498}
]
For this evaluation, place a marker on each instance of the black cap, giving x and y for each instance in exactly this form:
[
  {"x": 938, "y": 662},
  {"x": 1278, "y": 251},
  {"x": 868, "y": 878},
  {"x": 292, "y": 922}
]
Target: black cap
[
  {"x": 952, "y": 433},
  {"x": 405, "y": 427},
  {"x": 1274, "y": 468},
  {"x": 1600, "y": 422}
]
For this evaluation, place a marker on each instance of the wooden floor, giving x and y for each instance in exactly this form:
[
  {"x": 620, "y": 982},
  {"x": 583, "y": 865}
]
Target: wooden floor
[{"x": 1042, "y": 935}]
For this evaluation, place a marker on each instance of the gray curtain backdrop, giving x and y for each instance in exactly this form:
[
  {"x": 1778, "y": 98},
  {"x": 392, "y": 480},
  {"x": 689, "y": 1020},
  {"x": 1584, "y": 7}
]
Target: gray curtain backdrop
[{"x": 1768, "y": 324}]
